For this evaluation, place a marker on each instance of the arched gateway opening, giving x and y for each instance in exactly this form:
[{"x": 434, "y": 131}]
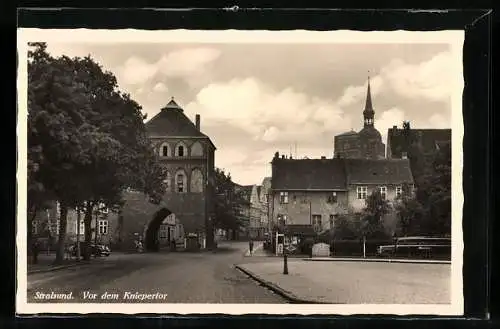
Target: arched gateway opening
[{"x": 151, "y": 242}]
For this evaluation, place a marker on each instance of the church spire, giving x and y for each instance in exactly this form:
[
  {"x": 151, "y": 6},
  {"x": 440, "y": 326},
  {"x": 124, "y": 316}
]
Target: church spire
[{"x": 368, "y": 113}]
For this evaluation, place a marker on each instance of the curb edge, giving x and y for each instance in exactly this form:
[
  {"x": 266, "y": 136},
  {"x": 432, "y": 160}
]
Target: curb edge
[{"x": 289, "y": 296}]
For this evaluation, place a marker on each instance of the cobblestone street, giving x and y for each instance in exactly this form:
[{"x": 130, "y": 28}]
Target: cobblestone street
[{"x": 184, "y": 277}]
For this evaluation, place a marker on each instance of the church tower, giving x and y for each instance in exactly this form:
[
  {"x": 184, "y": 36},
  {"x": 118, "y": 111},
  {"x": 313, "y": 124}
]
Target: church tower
[{"x": 368, "y": 112}]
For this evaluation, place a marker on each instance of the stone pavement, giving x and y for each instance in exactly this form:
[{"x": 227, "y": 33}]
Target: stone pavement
[
  {"x": 356, "y": 282},
  {"x": 183, "y": 277}
]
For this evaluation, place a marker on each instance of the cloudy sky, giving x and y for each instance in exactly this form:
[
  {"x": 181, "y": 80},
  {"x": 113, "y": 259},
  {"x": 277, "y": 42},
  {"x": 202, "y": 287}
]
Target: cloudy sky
[{"x": 256, "y": 99}]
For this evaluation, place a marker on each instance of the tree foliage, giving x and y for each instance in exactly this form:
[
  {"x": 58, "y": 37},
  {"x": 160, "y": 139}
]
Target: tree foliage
[
  {"x": 430, "y": 211},
  {"x": 86, "y": 140},
  {"x": 228, "y": 202},
  {"x": 376, "y": 207}
]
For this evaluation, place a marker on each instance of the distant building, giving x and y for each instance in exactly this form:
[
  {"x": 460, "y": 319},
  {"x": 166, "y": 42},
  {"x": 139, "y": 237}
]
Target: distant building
[
  {"x": 187, "y": 206},
  {"x": 427, "y": 140},
  {"x": 365, "y": 144},
  {"x": 315, "y": 192}
]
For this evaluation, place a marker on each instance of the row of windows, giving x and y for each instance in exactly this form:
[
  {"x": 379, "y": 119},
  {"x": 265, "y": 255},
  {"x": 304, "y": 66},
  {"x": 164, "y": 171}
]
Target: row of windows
[
  {"x": 181, "y": 181},
  {"x": 180, "y": 150},
  {"x": 362, "y": 193},
  {"x": 316, "y": 220},
  {"x": 102, "y": 227}
]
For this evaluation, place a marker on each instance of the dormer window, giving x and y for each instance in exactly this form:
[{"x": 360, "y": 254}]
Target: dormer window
[{"x": 180, "y": 151}]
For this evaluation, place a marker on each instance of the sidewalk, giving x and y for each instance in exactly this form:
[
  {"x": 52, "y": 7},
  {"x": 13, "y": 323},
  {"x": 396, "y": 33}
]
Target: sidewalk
[
  {"x": 377, "y": 260},
  {"x": 348, "y": 282},
  {"x": 258, "y": 251},
  {"x": 46, "y": 264}
]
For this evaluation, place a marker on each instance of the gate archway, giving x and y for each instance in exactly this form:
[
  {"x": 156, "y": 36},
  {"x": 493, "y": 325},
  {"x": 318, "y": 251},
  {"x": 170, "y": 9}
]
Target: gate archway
[{"x": 151, "y": 242}]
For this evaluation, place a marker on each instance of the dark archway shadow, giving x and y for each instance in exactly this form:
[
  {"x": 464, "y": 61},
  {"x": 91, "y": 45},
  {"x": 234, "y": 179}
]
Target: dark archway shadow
[{"x": 151, "y": 242}]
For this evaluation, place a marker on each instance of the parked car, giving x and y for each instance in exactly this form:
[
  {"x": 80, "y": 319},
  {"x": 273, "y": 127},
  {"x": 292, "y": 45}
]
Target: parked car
[
  {"x": 426, "y": 247},
  {"x": 96, "y": 250}
]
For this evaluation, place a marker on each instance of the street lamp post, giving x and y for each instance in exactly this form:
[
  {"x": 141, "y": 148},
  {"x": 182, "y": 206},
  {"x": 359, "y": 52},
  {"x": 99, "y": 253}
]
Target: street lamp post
[{"x": 285, "y": 256}]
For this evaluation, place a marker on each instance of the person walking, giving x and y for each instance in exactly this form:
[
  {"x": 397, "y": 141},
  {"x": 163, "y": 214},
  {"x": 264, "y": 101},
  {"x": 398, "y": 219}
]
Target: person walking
[{"x": 250, "y": 246}]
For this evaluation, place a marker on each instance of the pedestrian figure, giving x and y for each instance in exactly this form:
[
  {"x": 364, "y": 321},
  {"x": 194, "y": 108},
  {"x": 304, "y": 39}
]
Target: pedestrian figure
[
  {"x": 250, "y": 247},
  {"x": 35, "y": 252}
]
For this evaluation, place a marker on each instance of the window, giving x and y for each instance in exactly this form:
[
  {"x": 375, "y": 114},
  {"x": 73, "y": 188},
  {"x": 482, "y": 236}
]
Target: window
[
  {"x": 399, "y": 191},
  {"x": 196, "y": 181},
  {"x": 362, "y": 191},
  {"x": 180, "y": 182},
  {"x": 164, "y": 151},
  {"x": 166, "y": 181},
  {"x": 103, "y": 226},
  {"x": 331, "y": 221},
  {"x": 180, "y": 150},
  {"x": 383, "y": 192},
  {"x": 196, "y": 149},
  {"x": 82, "y": 227},
  {"x": 281, "y": 220},
  {"x": 333, "y": 197},
  {"x": 163, "y": 232},
  {"x": 283, "y": 197},
  {"x": 316, "y": 219}
]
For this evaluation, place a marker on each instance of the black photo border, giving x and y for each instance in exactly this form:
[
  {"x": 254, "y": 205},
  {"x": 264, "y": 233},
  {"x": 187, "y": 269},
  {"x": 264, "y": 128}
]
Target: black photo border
[{"x": 477, "y": 146}]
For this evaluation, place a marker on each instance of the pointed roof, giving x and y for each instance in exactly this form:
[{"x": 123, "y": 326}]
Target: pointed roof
[
  {"x": 171, "y": 121},
  {"x": 368, "y": 104},
  {"x": 173, "y": 105}
]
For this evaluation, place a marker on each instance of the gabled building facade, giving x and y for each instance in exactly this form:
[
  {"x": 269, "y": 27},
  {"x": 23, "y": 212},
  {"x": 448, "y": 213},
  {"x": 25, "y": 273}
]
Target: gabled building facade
[{"x": 315, "y": 192}]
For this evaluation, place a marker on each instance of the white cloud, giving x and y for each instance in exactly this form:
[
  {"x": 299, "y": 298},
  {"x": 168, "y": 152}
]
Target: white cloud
[
  {"x": 265, "y": 113},
  {"x": 388, "y": 119},
  {"x": 187, "y": 62},
  {"x": 136, "y": 71},
  {"x": 430, "y": 79},
  {"x": 439, "y": 121},
  {"x": 160, "y": 87},
  {"x": 184, "y": 63}
]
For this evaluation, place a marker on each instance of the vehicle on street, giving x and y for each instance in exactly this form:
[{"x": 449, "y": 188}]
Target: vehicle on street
[
  {"x": 97, "y": 250},
  {"x": 417, "y": 246}
]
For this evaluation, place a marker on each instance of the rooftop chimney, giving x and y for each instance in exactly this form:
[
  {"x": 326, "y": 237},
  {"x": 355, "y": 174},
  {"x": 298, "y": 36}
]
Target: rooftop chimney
[
  {"x": 394, "y": 127},
  {"x": 197, "y": 120},
  {"x": 282, "y": 156},
  {"x": 323, "y": 157}
]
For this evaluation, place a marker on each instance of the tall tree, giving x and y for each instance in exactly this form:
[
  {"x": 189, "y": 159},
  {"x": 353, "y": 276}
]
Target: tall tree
[
  {"x": 410, "y": 213},
  {"x": 227, "y": 202},
  {"x": 92, "y": 137},
  {"x": 376, "y": 207}
]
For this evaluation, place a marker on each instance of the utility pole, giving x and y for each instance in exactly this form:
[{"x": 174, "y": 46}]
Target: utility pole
[{"x": 78, "y": 219}]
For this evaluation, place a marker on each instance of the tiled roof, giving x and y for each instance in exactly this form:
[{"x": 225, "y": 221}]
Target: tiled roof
[
  {"x": 337, "y": 174},
  {"x": 171, "y": 121},
  {"x": 246, "y": 190},
  {"x": 308, "y": 174},
  {"x": 427, "y": 138},
  {"x": 386, "y": 171}
]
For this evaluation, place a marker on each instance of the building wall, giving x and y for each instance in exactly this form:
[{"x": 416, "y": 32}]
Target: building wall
[
  {"x": 302, "y": 205},
  {"x": 347, "y": 146},
  {"x": 358, "y": 205},
  {"x": 194, "y": 206}
]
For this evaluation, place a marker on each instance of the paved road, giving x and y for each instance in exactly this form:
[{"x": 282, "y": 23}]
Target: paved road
[{"x": 166, "y": 277}]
